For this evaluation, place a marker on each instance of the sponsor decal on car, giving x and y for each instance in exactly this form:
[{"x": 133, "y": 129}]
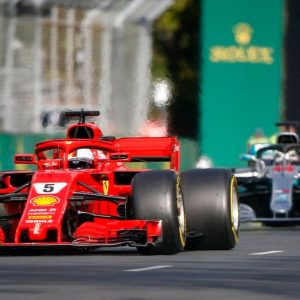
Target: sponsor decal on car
[
  {"x": 40, "y": 217},
  {"x": 105, "y": 186},
  {"x": 38, "y": 221},
  {"x": 44, "y": 200},
  {"x": 49, "y": 188}
]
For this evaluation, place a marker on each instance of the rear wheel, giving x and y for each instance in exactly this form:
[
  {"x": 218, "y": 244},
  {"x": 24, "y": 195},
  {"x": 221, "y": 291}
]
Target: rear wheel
[
  {"x": 156, "y": 195},
  {"x": 212, "y": 209}
]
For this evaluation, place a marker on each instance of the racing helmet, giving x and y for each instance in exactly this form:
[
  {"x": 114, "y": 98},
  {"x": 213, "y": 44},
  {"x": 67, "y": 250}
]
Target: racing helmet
[{"x": 81, "y": 159}]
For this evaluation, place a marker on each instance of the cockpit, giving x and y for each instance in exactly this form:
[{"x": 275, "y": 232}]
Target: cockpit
[{"x": 85, "y": 158}]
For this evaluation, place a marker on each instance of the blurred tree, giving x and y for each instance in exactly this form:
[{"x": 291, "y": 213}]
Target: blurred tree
[{"x": 176, "y": 56}]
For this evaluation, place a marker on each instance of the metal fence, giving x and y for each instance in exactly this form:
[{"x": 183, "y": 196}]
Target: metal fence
[{"x": 62, "y": 55}]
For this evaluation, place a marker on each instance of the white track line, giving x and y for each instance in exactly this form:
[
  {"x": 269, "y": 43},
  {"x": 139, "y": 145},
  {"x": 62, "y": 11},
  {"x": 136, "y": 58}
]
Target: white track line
[
  {"x": 149, "y": 268},
  {"x": 267, "y": 252}
]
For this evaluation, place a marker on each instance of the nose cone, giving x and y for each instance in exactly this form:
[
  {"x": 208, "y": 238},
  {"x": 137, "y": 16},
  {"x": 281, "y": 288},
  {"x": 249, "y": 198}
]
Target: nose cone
[
  {"x": 37, "y": 232},
  {"x": 281, "y": 204}
]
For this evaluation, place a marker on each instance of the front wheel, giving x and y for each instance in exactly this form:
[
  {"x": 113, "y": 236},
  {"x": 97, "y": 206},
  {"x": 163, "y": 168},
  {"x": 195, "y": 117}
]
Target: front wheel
[{"x": 156, "y": 195}]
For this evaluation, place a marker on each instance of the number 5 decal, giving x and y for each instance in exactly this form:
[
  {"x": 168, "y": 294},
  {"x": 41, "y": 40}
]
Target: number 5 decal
[{"x": 49, "y": 188}]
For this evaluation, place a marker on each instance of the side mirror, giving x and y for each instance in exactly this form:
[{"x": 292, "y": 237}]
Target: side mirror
[
  {"x": 260, "y": 167},
  {"x": 27, "y": 159},
  {"x": 248, "y": 157}
]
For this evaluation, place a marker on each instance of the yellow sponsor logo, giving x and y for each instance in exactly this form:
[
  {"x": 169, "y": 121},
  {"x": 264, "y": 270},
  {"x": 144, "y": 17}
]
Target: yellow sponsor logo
[
  {"x": 242, "y": 51},
  {"x": 42, "y": 217},
  {"x": 44, "y": 200},
  {"x": 105, "y": 186},
  {"x": 242, "y": 33}
]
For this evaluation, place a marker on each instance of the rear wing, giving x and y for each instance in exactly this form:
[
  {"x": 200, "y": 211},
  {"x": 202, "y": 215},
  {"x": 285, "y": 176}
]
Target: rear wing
[{"x": 151, "y": 149}]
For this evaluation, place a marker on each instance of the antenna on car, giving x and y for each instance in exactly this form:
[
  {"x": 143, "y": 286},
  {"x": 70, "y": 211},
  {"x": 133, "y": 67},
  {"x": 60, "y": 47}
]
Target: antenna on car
[{"x": 82, "y": 114}]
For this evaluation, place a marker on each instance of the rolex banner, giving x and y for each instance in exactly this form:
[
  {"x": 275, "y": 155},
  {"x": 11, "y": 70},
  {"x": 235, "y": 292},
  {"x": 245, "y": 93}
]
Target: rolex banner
[{"x": 241, "y": 80}]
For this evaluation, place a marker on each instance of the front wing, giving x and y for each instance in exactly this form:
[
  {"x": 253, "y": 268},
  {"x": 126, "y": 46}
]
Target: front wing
[{"x": 103, "y": 233}]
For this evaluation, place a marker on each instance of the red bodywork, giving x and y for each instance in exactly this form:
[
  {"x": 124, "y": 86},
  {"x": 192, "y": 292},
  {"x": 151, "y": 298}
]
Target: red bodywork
[{"x": 62, "y": 205}]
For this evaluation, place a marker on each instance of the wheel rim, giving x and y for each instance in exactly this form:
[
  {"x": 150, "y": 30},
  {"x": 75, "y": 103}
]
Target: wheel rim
[
  {"x": 234, "y": 209},
  {"x": 181, "y": 215}
]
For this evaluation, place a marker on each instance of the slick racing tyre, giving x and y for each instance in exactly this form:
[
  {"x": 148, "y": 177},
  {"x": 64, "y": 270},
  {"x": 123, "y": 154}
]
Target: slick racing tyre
[
  {"x": 156, "y": 195},
  {"x": 212, "y": 209}
]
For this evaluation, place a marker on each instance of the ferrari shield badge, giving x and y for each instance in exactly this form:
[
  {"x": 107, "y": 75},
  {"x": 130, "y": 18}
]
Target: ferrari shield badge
[{"x": 105, "y": 186}]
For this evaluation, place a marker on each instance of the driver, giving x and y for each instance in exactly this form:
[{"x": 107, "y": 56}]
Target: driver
[
  {"x": 84, "y": 158},
  {"x": 81, "y": 159}
]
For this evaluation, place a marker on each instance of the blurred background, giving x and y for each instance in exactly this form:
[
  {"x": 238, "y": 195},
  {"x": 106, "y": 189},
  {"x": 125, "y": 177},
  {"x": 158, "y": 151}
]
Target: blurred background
[{"x": 208, "y": 71}]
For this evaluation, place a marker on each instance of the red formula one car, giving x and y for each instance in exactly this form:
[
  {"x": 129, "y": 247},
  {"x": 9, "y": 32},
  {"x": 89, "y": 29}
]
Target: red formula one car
[{"x": 90, "y": 191}]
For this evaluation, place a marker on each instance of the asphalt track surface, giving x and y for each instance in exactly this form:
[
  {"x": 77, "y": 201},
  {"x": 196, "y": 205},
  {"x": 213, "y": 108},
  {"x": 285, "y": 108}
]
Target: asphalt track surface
[{"x": 264, "y": 265}]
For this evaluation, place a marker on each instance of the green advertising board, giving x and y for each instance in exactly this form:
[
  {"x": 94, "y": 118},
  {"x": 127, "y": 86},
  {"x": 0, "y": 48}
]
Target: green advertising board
[{"x": 241, "y": 75}]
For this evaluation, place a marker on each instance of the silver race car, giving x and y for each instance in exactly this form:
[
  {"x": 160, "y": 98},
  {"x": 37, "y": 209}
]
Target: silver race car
[{"x": 269, "y": 188}]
